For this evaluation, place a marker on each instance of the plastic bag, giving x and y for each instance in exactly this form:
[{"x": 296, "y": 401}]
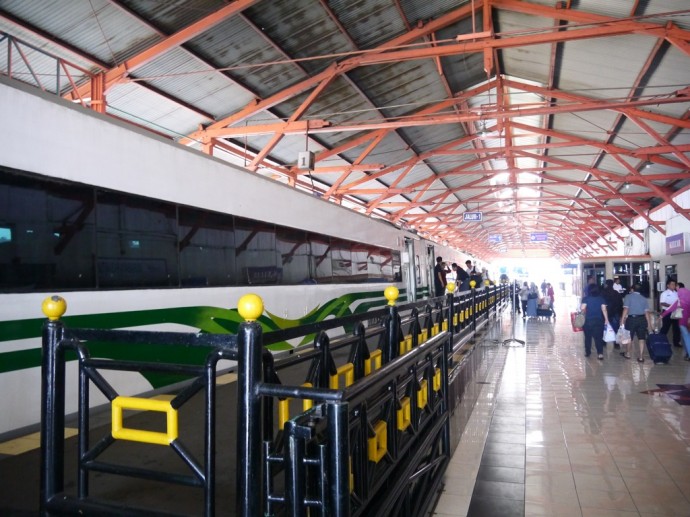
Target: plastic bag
[
  {"x": 609, "y": 334},
  {"x": 677, "y": 313},
  {"x": 577, "y": 320},
  {"x": 623, "y": 336}
]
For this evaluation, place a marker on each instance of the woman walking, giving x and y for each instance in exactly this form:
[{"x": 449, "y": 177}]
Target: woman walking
[{"x": 596, "y": 317}]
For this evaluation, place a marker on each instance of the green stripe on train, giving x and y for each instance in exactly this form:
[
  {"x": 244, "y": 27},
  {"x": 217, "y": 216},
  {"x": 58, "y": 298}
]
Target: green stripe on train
[{"x": 206, "y": 319}]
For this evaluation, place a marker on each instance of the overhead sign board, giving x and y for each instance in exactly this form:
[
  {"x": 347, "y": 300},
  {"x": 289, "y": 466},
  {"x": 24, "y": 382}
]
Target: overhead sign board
[
  {"x": 538, "y": 236},
  {"x": 679, "y": 243},
  {"x": 472, "y": 216},
  {"x": 495, "y": 238}
]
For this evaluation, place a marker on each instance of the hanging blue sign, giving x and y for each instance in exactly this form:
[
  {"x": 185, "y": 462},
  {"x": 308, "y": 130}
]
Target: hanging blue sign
[
  {"x": 538, "y": 236},
  {"x": 495, "y": 238},
  {"x": 472, "y": 216}
]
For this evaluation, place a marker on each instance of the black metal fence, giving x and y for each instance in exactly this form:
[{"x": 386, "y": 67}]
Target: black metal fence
[{"x": 370, "y": 433}]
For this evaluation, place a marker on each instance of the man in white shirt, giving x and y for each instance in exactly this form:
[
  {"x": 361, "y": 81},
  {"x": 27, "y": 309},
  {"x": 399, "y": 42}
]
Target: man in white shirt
[
  {"x": 617, "y": 285},
  {"x": 668, "y": 298}
]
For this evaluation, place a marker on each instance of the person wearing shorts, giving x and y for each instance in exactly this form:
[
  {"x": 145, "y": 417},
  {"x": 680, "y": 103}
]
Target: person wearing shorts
[{"x": 635, "y": 318}]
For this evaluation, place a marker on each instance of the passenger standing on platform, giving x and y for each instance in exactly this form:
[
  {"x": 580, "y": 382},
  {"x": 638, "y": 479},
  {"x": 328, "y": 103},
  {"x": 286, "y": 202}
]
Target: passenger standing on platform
[
  {"x": 469, "y": 268},
  {"x": 532, "y": 300},
  {"x": 543, "y": 288},
  {"x": 635, "y": 318},
  {"x": 524, "y": 295},
  {"x": 439, "y": 277},
  {"x": 550, "y": 293},
  {"x": 590, "y": 282},
  {"x": 516, "y": 296},
  {"x": 475, "y": 275},
  {"x": 614, "y": 306},
  {"x": 453, "y": 275},
  {"x": 684, "y": 303},
  {"x": 463, "y": 280},
  {"x": 668, "y": 298},
  {"x": 596, "y": 317}
]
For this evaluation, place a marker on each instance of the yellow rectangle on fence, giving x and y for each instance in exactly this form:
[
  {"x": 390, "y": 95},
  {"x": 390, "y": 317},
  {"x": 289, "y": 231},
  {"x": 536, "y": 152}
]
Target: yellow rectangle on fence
[{"x": 119, "y": 432}]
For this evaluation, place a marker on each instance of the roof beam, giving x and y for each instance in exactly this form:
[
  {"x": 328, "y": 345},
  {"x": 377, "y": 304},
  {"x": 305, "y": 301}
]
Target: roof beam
[{"x": 340, "y": 68}]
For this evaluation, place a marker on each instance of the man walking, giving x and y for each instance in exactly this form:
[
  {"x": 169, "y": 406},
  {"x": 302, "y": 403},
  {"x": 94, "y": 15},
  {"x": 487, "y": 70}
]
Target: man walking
[
  {"x": 635, "y": 318},
  {"x": 666, "y": 299}
]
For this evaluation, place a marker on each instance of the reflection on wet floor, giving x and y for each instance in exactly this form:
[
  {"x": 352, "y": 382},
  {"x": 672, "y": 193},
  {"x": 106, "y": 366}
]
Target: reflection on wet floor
[{"x": 556, "y": 433}]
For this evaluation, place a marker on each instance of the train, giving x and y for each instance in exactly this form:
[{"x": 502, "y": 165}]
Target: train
[{"x": 136, "y": 231}]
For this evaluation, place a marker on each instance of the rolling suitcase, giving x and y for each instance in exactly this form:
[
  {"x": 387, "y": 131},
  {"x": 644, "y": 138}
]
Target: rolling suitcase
[{"x": 659, "y": 348}]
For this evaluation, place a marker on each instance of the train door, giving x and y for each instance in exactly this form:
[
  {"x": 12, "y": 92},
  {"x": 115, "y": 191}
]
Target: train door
[
  {"x": 411, "y": 266},
  {"x": 430, "y": 263}
]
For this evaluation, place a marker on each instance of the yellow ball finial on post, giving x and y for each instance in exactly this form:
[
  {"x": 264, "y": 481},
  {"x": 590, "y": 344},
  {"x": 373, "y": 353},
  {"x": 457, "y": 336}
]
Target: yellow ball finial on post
[
  {"x": 487, "y": 282},
  {"x": 473, "y": 283},
  {"x": 54, "y": 307},
  {"x": 450, "y": 287},
  {"x": 250, "y": 307},
  {"x": 391, "y": 293}
]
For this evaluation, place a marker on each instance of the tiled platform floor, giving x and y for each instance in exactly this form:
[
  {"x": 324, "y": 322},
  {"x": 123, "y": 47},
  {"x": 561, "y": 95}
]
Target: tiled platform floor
[{"x": 557, "y": 434}]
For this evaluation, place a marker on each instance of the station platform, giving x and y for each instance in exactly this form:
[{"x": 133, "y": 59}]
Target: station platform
[
  {"x": 555, "y": 433},
  {"x": 552, "y": 433}
]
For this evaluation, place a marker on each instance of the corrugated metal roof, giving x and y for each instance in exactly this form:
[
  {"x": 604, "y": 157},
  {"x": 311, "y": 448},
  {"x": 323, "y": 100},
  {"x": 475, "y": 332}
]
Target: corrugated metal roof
[
  {"x": 172, "y": 15},
  {"x": 303, "y": 30},
  {"x": 259, "y": 50},
  {"x": 145, "y": 108},
  {"x": 369, "y": 22},
  {"x": 236, "y": 46},
  {"x": 194, "y": 83},
  {"x": 416, "y": 11},
  {"x": 107, "y": 32},
  {"x": 529, "y": 62}
]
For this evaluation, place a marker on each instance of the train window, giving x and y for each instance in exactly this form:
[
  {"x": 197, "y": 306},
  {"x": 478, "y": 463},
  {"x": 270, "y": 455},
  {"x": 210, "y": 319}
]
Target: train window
[
  {"x": 63, "y": 235},
  {"x": 293, "y": 248},
  {"x": 320, "y": 263},
  {"x": 207, "y": 248},
  {"x": 258, "y": 260},
  {"x": 136, "y": 242},
  {"x": 48, "y": 234},
  {"x": 342, "y": 258}
]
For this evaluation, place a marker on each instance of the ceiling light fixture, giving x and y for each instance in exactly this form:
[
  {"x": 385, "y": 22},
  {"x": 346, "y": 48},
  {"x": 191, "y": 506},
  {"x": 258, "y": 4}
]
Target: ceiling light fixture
[{"x": 626, "y": 185}]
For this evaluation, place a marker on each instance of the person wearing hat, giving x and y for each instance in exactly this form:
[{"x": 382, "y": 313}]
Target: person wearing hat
[{"x": 617, "y": 285}]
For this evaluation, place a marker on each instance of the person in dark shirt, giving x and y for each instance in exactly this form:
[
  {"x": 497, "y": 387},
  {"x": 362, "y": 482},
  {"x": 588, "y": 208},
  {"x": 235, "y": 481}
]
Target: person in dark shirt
[
  {"x": 463, "y": 279},
  {"x": 614, "y": 306},
  {"x": 439, "y": 277},
  {"x": 596, "y": 317}
]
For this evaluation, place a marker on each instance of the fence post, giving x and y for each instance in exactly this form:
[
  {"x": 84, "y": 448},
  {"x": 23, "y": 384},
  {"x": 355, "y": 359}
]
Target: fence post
[
  {"x": 451, "y": 327},
  {"x": 338, "y": 460},
  {"x": 473, "y": 306},
  {"x": 52, "y": 401},
  {"x": 393, "y": 339},
  {"x": 249, "y": 418}
]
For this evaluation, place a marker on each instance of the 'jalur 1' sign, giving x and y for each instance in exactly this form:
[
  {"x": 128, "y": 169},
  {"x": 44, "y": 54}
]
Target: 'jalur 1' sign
[{"x": 472, "y": 216}]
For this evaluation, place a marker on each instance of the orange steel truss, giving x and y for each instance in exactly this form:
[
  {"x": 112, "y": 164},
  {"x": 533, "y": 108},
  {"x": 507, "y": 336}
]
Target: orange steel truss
[{"x": 582, "y": 206}]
